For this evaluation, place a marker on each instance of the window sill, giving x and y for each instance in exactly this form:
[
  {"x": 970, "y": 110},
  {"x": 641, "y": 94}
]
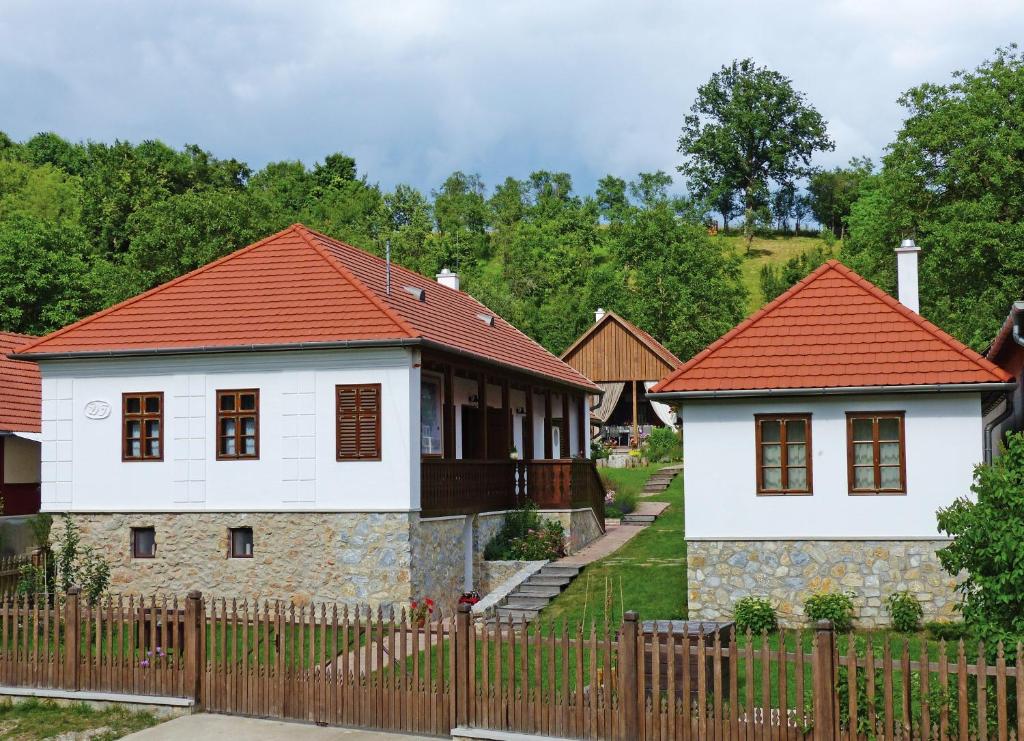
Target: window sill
[
  {"x": 881, "y": 493},
  {"x": 785, "y": 493}
]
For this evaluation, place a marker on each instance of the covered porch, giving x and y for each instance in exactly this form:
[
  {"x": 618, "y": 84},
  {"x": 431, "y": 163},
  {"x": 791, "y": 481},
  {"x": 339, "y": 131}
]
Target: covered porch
[{"x": 492, "y": 438}]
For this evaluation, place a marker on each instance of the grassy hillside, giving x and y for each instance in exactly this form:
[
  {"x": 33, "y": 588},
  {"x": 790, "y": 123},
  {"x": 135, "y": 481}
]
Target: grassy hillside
[{"x": 770, "y": 249}]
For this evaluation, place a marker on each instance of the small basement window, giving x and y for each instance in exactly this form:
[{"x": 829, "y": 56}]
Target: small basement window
[
  {"x": 241, "y": 542},
  {"x": 143, "y": 542}
]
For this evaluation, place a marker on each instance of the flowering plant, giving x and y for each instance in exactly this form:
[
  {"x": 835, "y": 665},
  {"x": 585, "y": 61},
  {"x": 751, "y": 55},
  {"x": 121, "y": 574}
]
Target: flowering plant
[
  {"x": 469, "y": 598},
  {"x": 152, "y": 660},
  {"x": 420, "y": 610}
]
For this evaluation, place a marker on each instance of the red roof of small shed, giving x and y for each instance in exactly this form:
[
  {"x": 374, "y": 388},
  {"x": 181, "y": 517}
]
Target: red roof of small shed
[{"x": 832, "y": 329}]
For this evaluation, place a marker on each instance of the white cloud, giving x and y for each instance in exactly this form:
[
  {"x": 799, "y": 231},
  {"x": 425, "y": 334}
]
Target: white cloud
[{"x": 415, "y": 89}]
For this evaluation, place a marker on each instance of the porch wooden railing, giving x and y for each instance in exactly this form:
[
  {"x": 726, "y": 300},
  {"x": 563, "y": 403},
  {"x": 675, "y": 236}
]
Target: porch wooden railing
[{"x": 462, "y": 487}]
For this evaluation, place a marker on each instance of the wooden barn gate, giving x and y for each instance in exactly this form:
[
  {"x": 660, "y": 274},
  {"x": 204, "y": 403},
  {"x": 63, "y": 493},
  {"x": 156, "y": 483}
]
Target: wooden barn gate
[{"x": 325, "y": 664}]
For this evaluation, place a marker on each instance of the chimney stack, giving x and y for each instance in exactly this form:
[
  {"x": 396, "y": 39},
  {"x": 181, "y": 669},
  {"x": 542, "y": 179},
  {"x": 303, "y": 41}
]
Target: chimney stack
[
  {"x": 906, "y": 274},
  {"x": 599, "y": 315},
  {"x": 447, "y": 278}
]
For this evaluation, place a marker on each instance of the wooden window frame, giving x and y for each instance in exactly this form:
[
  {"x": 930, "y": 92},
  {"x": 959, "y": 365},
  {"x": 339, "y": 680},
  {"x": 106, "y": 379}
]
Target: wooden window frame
[
  {"x": 142, "y": 417},
  {"x": 237, "y": 414},
  {"x": 337, "y": 423},
  {"x": 877, "y": 491},
  {"x": 231, "y": 541},
  {"x": 132, "y": 544},
  {"x": 785, "y": 491}
]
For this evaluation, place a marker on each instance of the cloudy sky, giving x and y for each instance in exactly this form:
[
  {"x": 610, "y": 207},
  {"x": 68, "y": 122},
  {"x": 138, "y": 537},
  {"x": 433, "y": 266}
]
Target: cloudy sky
[{"x": 415, "y": 90}]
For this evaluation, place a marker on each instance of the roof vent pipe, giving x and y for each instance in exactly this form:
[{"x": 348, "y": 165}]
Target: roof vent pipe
[
  {"x": 449, "y": 279},
  {"x": 906, "y": 274},
  {"x": 599, "y": 315}
]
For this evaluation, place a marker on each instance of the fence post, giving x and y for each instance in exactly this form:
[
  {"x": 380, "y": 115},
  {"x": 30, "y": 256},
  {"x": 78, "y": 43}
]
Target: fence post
[
  {"x": 195, "y": 623},
  {"x": 629, "y": 689},
  {"x": 464, "y": 684},
  {"x": 823, "y": 676},
  {"x": 72, "y": 638}
]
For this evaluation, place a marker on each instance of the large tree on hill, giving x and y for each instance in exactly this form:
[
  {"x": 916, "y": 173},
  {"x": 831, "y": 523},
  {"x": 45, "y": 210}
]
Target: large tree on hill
[
  {"x": 832, "y": 193},
  {"x": 748, "y": 128},
  {"x": 954, "y": 181}
]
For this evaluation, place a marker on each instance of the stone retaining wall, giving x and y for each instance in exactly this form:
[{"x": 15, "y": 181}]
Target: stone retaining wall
[
  {"x": 438, "y": 560},
  {"x": 356, "y": 558},
  {"x": 787, "y": 572}
]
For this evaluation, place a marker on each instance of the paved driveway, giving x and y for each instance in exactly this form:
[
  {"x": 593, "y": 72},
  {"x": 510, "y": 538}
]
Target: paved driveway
[{"x": 203, "y": 727}]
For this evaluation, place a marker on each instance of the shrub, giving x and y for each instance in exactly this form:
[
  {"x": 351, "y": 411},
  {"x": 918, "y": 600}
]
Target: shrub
[
  {"x": 662, "y": 444},
  {"x": 986, "y": 535},
  {"x": 755, "y": 614},
  {"x": 622, "y": 504},
  {"x": 828, "y": 236},
  {"x": 946, "y": 631},
  {"x": 525, "y": 535},
  {"x": 834, "y": 606},
  {"x": 905, "y": 610}
]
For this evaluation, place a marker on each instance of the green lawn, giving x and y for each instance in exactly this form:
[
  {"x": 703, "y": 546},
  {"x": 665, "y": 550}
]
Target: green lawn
[
  {"x": 33, "y": 719},
  {"x": 770, "y": 249},
  {"x": 648, "y": 574}
]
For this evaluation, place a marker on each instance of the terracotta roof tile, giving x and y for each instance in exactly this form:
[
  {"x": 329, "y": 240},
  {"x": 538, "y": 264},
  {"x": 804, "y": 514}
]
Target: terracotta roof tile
[
  {"x": 832, "y": 329},
  {"x": 20, "y": 388},
  {"x": 300, "y": 286}
]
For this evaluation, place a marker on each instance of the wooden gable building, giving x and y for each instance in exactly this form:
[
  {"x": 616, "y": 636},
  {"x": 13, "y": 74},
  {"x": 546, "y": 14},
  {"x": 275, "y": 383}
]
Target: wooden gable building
[{"x": 625, "y": 361}]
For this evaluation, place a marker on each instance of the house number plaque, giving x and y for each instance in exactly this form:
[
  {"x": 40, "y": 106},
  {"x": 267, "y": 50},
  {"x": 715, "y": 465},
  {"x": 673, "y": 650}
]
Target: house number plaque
[{"x": 97, "y": 409}]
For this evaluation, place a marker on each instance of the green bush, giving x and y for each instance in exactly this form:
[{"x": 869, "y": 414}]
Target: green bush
[
  {"x": 526, "y": 536},
  {"x": 828, "y": 236},
  {"x": 986, "y": 546},
  {"x": 622, "y": 504},
  {"x": 663, "y": 444},
  {"x": 755, "y": 614},
  {"x": 946, "y": 631},
  {"x": 905, "y": 610},
  {"x": 834, "y": 606}
]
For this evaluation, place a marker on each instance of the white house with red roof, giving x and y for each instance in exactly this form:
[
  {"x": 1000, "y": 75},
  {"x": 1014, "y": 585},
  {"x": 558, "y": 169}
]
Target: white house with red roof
[
  {"x": 302, "y": 419},
  {"x": 820, "y": 437},
  {"x": 19, "y": 430}
]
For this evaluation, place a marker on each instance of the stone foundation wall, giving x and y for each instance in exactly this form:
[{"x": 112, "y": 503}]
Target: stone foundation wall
[
  {"x": 492, "y": 573},
  {"x": 355, "y": 558},
  {"x": 787, "y": 572},
  {"x": 438, "y": 560}
]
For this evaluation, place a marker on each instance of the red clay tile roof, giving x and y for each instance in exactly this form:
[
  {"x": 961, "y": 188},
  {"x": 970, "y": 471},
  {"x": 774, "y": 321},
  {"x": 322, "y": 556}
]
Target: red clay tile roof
[
  {"x": 300, "y": 286},
  {"x": 833, "y": 329},
  {"x": 20, "y": 388},
  {"x": 652, "y": 344}
]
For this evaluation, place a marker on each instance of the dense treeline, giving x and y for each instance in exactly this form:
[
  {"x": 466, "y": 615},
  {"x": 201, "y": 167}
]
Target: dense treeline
[{"x": 84, "y": 225}]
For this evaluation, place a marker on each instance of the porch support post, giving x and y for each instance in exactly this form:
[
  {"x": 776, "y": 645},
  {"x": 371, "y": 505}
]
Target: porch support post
[
  {"x": 566, "y": 450},
  {"x": 581, "y": 426},
  {"x": 481, "y": 386},
  {"x": 448, "y": 419},
  {"x": 636, "y": 426},
  {"x": 528, "y": 447},
  {"x": 506, "y": 416},
  {"x": 547, "y": 424}
]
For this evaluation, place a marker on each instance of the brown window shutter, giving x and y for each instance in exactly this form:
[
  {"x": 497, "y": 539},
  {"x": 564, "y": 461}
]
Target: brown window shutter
[{"x": 358, "y": 435}]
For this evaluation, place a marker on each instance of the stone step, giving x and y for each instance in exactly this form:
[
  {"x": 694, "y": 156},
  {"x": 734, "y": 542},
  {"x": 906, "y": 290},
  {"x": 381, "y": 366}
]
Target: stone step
[
  {"x": 533, "y": 591},
  {"x": 518, "y": 602},
  {"x": 556, "y": 570},
  {"x": 638, "y": 519},
  {"x": 517, "y": 615},
  {"x": 548, "y": 581}
]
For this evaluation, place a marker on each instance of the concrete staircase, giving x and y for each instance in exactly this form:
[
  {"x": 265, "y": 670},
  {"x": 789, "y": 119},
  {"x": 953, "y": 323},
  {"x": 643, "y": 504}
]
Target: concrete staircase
[
  {"x": 660, "y": 480},
  {"x": 524, "y": 602}
]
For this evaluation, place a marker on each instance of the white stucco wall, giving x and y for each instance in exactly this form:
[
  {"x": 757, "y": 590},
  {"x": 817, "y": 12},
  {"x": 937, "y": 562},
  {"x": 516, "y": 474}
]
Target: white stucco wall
[
  {"x": 82, "y": 468},
  {"x": 943, "y": 443}
]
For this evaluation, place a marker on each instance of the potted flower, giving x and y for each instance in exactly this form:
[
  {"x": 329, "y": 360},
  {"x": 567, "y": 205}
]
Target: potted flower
[
  {"x": 469, "y": 598},
  {"x": 514, "y": 454},
  {"x": 419, "y": 611}
]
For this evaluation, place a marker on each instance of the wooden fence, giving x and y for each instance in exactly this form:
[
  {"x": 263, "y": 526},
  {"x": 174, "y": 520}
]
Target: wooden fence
[{"x": 326, "y": 664}]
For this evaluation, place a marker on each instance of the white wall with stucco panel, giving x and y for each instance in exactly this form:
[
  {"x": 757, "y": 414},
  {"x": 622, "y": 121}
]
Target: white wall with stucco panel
[{"x": 943, "y": 444}]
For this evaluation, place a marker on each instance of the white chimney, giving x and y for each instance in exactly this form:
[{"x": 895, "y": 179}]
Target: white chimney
[
  {"x": 598, "y": 315},
  {"x": 906, "y": 274},
  {"x": 449, "y": 279}
]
